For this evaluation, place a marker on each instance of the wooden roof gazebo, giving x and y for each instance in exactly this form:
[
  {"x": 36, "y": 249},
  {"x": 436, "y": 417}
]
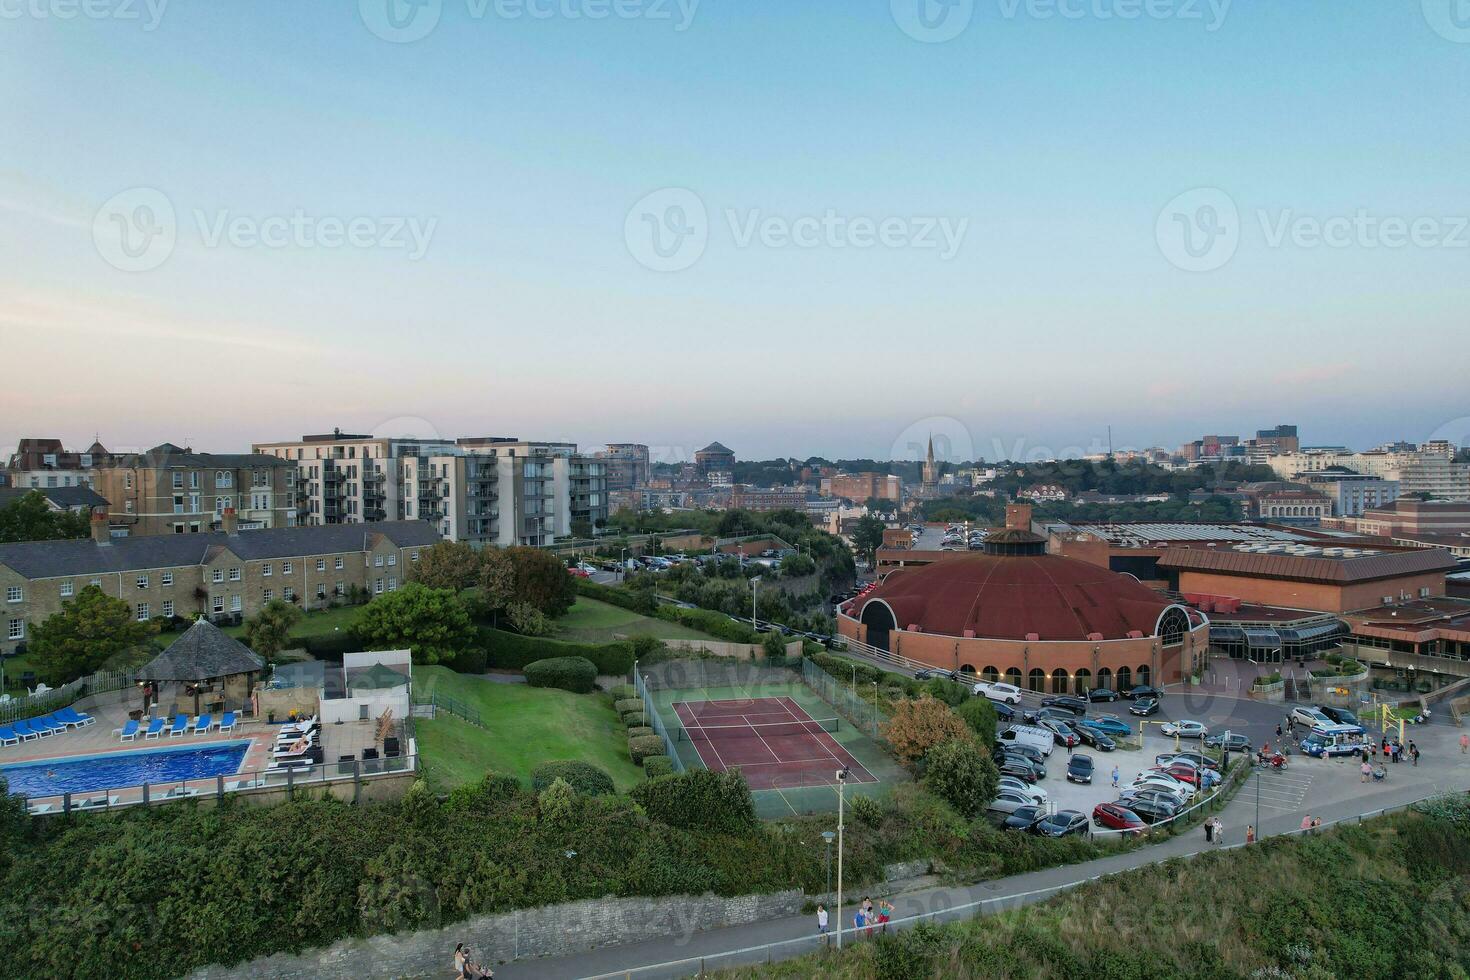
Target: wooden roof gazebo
[{"x": 203, "y": 656}]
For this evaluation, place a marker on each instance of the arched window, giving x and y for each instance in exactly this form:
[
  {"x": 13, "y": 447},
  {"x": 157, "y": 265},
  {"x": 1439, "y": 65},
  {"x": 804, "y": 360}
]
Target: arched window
[
  {"x": 1083, "y": 681},
  {"x": 1143, "y": 674},
  {"x": 1036, "y": 680},
  {"x": 878, "y": 618},
  {"x": 1059, "y": 681},
  {"x": 1105, "y": 678},
  {"x": 990, "y": 674},
  {"x": 967, "y": 669},
  {"x": 1125, "y": 679},
  {"x": 1173, "y": 624},
  {"x": 1013, "y": 676}
]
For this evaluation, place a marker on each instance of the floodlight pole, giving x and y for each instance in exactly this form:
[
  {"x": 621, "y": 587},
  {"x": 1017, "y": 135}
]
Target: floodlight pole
[{"x": 841, "y": 782}]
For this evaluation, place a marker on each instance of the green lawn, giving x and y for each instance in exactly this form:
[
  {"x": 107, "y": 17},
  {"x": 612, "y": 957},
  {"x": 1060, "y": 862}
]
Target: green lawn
[
  {"x": 315, "y": 623},
  {"x": 524, "y": 726},
  {"x": 594, "y": 621}
]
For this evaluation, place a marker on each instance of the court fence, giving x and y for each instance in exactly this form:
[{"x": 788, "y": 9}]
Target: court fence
[
  {"x": 651, "y": 716},
  {"x": 860, "y": 713}
]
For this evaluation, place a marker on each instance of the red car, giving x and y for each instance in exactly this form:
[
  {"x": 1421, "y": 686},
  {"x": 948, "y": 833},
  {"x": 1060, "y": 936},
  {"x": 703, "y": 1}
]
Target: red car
[
  {"x": 1185, "y": 774},
  {"x": 579, "y": 573},
  {"x": 1116, "y": 817}
]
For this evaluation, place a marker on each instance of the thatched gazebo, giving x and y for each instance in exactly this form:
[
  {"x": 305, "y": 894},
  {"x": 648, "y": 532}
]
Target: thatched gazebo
[{"x": 204, "y": 661}]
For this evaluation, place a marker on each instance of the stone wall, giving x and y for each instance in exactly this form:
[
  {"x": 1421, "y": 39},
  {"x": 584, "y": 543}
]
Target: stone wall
[{"x": 553, "y": 930}]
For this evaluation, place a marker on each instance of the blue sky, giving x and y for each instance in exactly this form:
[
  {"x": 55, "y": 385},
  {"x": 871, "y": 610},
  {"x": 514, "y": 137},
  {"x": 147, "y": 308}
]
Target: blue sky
[{"x": 517, "y": 146}]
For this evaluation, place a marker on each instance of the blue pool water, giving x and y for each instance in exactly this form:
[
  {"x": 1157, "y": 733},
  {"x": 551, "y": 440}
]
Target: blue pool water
[{"x": 115, "y": 770}]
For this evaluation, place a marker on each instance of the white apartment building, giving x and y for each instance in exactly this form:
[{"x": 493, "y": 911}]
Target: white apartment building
[{"x": 1420, "y": 471}]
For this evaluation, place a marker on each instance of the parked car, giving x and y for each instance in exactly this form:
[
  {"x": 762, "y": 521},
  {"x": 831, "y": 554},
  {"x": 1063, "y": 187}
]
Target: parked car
[
  {"x": 1008, "y": 802},
  {"x": 1341, "y": 716},
  {"x": 1133, "y": 795},
  {"x": 1095, "y": 737},
  {"x": 1116, "y": 816},
  {"x": 1003, "y": 711},
  {"x": 1310, "y": 717},
  {"x": 1061, "y": 731},
  {"x": 1079, "y": 768},
  {"x": 1037, "y": 794},
  {"x": 1111, "y": 724},
  {"x": 1152, "y": 809},
  {"x": 1037, "y": 768},
  {"x": 1234, "y": 741},
  {"x": 1182, "y": 791},
  {"x": 1184, "y": 728},
  {"x": 579, "y": 572},
  {"x": 1065, "y": 701},
  {"x": 996, "y": 691},
  {"x": 1102, "y": 694},
  {"x": 1055, "y": 714},
  {"x": 1196, "y": 759},
  {"x": 1143, "y": 691},
  {"x": 925, "y": 673},
  {"x": 1037, "y": 738},
  {"x": 1186, "y": 773},
  {"x": 1144, "y": 707},
  {"x": 1063, "y": 823},
  {"x": 1023, "y": 818},
  {"x": 1018, "y": 767}
]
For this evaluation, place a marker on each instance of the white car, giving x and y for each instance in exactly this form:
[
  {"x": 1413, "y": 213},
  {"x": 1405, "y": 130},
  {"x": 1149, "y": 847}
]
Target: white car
[
  {"x": 1156, "y": 780},
  {"x": 1036, "y": 793},
  {"x": 996, "y": 691},
  {"x": 1310, "y": 717},
  {"x": 1185, "y": 728}
]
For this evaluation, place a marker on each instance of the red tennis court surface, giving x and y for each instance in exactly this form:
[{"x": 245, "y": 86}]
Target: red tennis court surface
[{"x": 776, "y": 744}]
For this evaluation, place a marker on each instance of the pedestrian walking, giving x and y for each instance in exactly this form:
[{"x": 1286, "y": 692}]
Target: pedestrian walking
[
  {"x": 1316, "y": 824},
  {"x": 1115, "y": 777},
  {"x": 1069, "y": 746},
  {"x": 1307, "y": 823},
  {"x": 1278, "y": 733},
  {"x": 1464, "y": 744},
  {"x": 885, "y": 912},
  {"x": 822, "y": 927},
  {"x": 1367, "y": 770},
  {"x": 869, "y": 916},
  {"x": 1414, "y": 752},
  {"x": 1209, "y": 831},
  {"x": 1219, "y": 831},
  {"x": 1250, "y": 834}
]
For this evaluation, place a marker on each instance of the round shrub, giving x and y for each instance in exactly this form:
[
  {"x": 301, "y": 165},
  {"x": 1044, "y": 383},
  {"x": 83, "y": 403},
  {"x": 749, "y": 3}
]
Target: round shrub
[
  {"x": 644, "y": 746},
  {"x": 635, "y": 719},
  {"x": 865, "y": 810},
  {"x": 624, "y": 705},
  {"x": 963, "y": 775},
  {"x": 638, "y": 730},
  {"x": 583, "y": 777},
  {"x": 575, "y": 674},
  {"x": 623, "y": 691},
  {"x": 657, "y": 765}
]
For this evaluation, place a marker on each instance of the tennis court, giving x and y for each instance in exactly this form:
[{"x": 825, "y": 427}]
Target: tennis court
[
  {"x": 711, "y": 715},
  {"x": 773, "y": 741}
]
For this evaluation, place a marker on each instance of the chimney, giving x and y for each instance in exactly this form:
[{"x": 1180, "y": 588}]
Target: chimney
[
  {"x": 1018, "y": 517},
  {"x": 228, "y": 522},
  {"x": 101, "y": 531}
]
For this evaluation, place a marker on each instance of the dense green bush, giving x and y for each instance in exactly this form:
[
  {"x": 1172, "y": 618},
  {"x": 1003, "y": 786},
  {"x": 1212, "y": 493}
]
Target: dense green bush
[
  {"x": 635, "y": 719},
  {"x": 980, "y": 715},
  {"x": 866, "y": 810},
  {"x": 624, "y": 691},
  {"x": 963, "y": 775},
  {"x": 513, "y": 651},
  {"x": 644, "y": 746},
  {"x": 655, "y": 766},
  {"x": 948, "y": 691},
  {"x": 641, "y": 601},
  {"x": 716, "y": 624},
  {"x": 638, "y": 730},
  {"x": 330, "y": 646},
  {"x": 575, "y": 674},
  {"x": 583, "y": 777},
  {"x": 624, "y": 705},
  {"x": 699, "y": 799}
]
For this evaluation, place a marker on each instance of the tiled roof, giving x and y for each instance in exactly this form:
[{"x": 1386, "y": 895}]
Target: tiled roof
[
  {"x": 204, "y": 652},
  {"x": 50, "y": 559},
  {"x": 168, "y": 455},
  {"x": 60, "y": 496},
  {"x": 1338, "y": 571}
]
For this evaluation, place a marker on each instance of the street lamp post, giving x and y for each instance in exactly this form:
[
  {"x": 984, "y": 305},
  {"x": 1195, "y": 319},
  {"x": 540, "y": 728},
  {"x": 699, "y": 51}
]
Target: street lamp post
[
  {"x": 754, "y": 588},
  {"x": 828, "y": 837},
  {"x": 841, "y": 782}
]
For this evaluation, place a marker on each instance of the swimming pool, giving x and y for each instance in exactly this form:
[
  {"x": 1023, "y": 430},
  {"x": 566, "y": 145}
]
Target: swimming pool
[{"x": 115, "y": 770}]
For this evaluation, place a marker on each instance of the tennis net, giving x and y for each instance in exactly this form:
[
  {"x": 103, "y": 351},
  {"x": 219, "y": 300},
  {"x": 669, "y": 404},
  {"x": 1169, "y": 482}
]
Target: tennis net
[{"x": 768, "y": 730}]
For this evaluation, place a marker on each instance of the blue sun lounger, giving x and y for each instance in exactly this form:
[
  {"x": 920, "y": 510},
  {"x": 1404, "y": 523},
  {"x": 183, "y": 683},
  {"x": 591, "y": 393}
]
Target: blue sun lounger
[
  {"x": 179, "y": 727},
  {"x": 73, "y": 718},
  {"x": 30, "y": 727},
  {"x": 155, "y": 728},
  {"x": 9, "y": 736},
  {"x": 227, "y": 723},
  {"x": 203, "y": 724},
  {"x": 128, "y": 732}
]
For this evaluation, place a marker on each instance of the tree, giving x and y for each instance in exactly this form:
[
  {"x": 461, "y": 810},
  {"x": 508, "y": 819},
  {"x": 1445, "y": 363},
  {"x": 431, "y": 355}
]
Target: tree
[
  {"x": 268, "y": 631},
  {"x": 542, "y": 581},
  {"x": 497, "y": 579},
  {"x": 581, "y": 528},
  {"x": 433, "y": 623},
  {"x": 867, "y": 534},
  {"x": 962, "y": 774},
  {"x": 452, "y": 565},
  {"x": 979, "y": 714},
  {"x": 30, "y": 518},
  {"x": 917, "y": 726},
  {"x": 89, "y": 630}
]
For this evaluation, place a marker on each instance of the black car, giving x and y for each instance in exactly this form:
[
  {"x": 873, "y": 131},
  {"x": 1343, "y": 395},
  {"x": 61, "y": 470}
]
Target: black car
[
  {"x": 1339, "y": 716},
  {"x": 1063, "y": 823},
  {"x": 1151, "y": 810},
  {"x": 1075, "y": 705},
  {"x": 1155, "y": 797},
  {"x": 1143, "y": 691},
  {"x": 1099, "y": 740},
  {"x": 1019, "y": 767},
  {"x": 1003, "y": 711},
  {"x": 1023, "y": 750},
  {"x": 1144, "y": 707},
  {"x": 1102, "y": 694},
  {"x": 1063, "y": 733},
  {"x": 1023, "y": 818},
  {"x": 925, "y": 673},
  {"x": 1236, "y": 742},
  {"x": 1079, "y": 769},
  {"x": 1055, "y": 714}
]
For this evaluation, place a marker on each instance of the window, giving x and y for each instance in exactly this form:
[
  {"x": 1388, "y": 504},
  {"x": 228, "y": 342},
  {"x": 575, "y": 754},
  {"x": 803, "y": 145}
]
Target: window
[
  {"x": 392, "y": 560},
  {"x": 168, "y": 578},
  {"x": 223, "y": 478},
  {"x": 392, "y": 582},
  {"x": 338, "y": 563},
  {"x": 97, "y": 582},
  {"x": 178, "y": 481},
  {"x": 127, "y": 481},
  {"x": 178, "y": 503},
  {"x": 321, "y": 590},
  {"x": 267, "y": 595},
  {"x": 168, "y": 608},
  {"x": 223, "y": 503},
  {"x": 1424, "y": 593},
  {"x": 266, "y": 569},
  {"x": 338, "y": 589},
  {"x": 66, "y": 588},
  {"x": 378, "y": 586},
  {"x": 142, "y": 581},
  {"x": 235, "y": 574},
  {"x": 286, "y": 568},
  {"x": 13, "y": 593},
  {"x": 378, "y": 561},
  {"x": 289, "y": 595},
  {"x": 217, "y": 603},
  {"x": 218, "y": 575},
  {"x": 128, "y": 506},
  {"x": 234, "y": 603},
  {"x": 321, "y": 564},
  {"x": 194, "y": 481},
  {"x": 414, "y": 556},
  {"x": 16, "y": 630},
  {"x": 142, "y": 612}
]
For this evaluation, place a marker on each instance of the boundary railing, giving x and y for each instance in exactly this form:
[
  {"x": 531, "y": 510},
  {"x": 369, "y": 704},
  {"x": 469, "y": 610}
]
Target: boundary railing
[
  {"x": 34, "y": 705},
  {"x": 454, "y": 706},
  {"x": 651, "y": 716}
]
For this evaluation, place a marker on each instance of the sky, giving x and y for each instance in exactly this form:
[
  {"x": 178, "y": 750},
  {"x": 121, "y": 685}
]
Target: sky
[{"x": 799, "y": 228}]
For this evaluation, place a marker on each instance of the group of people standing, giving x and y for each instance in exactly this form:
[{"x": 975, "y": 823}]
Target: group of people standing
[
  {"x": 865, "y": 918},
  {"x": 465, "y": 968}
]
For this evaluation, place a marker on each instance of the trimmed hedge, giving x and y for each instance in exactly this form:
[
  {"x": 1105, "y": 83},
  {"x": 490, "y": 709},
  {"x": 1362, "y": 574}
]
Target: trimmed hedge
[
  {"x": 644, "y": 746},
  {"x": 634, "y": 600},
  {"x": 583, "y": 777},
  {"x": 635, "y": 719},
  {"x": 624, "y": 691},
  {"x": 716, "y": 624},
  {"x": 575, "y": 674},
  {"x": 638, "y": 730},
  {"x": 331, "y": 646},
  {"x": 655, "y": 766},
  {"x": 513, "y": 651},
  {"x": 624, "y": 705},
  {"x": 699, "y": 800}
]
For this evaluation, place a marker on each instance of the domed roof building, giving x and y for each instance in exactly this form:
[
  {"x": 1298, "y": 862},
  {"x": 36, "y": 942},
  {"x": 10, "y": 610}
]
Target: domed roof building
[{"x": 1037, "y": 620}]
